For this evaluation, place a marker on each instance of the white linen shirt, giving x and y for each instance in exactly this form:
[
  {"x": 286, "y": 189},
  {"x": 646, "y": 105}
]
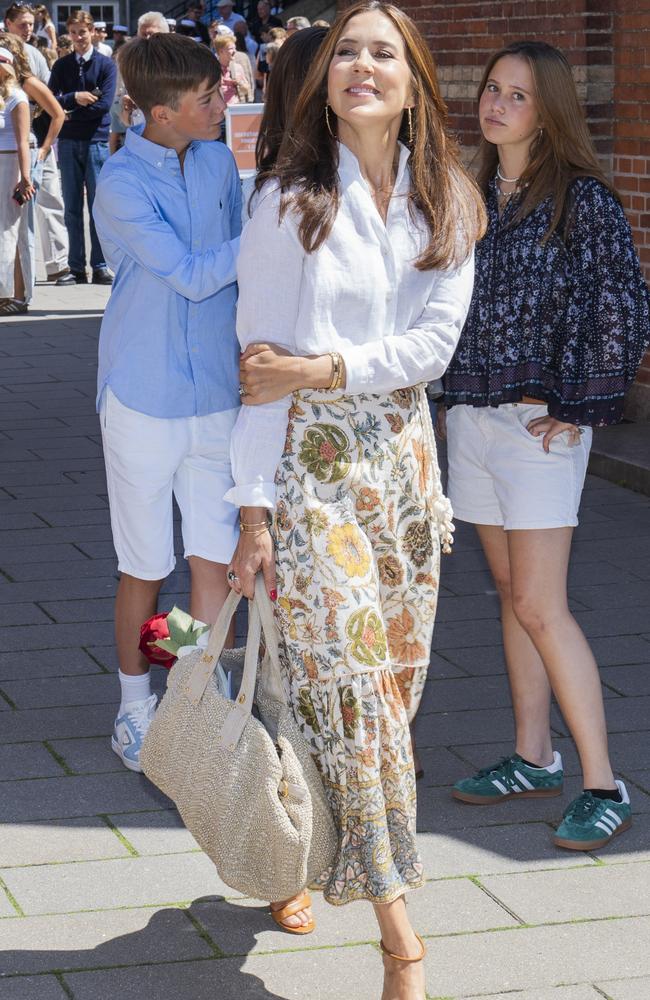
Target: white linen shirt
[{"x": 359, "y": 294}]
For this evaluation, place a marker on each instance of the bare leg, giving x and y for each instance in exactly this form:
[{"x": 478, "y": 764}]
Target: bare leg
[
  {"x": 529, "y": 686},
  {"x": 402, "y": 981},
  {"x": 19, "y": 282},
  {"x": 209, "y": 589},
  {"x": 136, "y": 601},
  {"x": 539, "y": 561}
]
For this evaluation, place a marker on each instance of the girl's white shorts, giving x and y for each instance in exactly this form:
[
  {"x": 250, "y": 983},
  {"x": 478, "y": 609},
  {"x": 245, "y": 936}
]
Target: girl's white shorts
[{"x": 500, "y": 474}]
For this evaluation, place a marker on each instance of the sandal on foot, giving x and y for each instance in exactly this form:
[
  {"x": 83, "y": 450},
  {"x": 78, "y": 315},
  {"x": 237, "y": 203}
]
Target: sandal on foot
[
  {"x": 400, "y": 958},
  {"x": 12, "y": 307},
  {"x": 301, "y": 902}
]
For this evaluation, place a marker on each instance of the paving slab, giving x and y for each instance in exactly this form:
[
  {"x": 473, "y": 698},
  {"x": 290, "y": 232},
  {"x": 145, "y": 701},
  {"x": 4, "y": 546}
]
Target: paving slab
[
  {"x": 57, "y": 663},
  {"x": 554, "y": 956},
  {"x": 97, "y": 940},
  {"x": 260, "y": 977},
  {"x": 590, "y": 893},
  {"x": 582, "y": 992},
  {"x": 44, "y": 692},
  {"x": 79, "y": 795},
  {"x": 88, "y": 755},
  {"x": 159, "y": 832},
  {"x": 626, "y": 989},
  {"x": 505, "y": 847},
  {"x": 33, "y": 988},
  {"x": 95, "y": 885},
  {"x": 27, "y": 760},
  {"x": 56, "y": 841}
]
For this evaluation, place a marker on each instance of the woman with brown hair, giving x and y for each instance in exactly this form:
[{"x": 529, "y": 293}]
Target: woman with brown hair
[
  {"x": 558, "y": 323},
  {"x": 362, "y": 238}
]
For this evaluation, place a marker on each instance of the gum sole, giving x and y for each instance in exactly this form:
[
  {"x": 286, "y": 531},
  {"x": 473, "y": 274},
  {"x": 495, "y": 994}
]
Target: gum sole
[
  {"x": 592, "y": 845},
  {"x": 479, "y": 800}
]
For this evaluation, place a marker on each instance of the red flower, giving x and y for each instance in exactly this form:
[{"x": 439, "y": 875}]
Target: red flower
[{"x": 155, "y": 628}]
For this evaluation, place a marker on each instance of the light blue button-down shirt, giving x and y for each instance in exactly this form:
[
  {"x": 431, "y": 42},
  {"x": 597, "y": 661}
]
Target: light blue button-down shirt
[{"x": 168, "y": 345}]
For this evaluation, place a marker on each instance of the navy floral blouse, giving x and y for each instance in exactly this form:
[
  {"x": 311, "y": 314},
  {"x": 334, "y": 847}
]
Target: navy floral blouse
[{"x": 567, "y": 321}]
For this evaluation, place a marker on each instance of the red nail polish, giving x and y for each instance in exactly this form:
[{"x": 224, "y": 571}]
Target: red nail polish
[{"x": 273, "y": 594}]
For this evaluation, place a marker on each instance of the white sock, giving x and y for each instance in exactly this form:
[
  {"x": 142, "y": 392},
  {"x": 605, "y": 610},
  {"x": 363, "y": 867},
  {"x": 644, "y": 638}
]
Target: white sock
[{"x": 135, "y": 687}]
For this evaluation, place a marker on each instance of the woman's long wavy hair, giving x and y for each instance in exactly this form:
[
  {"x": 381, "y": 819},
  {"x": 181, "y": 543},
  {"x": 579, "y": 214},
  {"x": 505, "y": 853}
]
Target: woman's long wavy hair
[
  {"x": 562, "y": 151},
  {"x": 290, "y": 69},
  {"x": 441, "y": 189}
]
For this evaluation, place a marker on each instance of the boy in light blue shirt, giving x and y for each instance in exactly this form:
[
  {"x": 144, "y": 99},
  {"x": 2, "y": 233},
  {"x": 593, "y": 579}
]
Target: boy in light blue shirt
[{"x": 168, "y": 211}]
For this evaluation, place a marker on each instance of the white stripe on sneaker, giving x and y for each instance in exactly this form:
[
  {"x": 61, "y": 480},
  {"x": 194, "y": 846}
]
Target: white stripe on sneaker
[
  {"x": 497, "y": 784},
  {"x": 524, "y": 781},
  {"x": 608, "y": 830},
  {"x": 610, "y": 812},
  {"x": 515, "y": 788},
  {"x": 608, "y": 823}
]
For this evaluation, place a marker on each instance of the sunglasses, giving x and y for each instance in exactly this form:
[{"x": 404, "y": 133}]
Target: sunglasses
[{"x": 19, "y": 7}]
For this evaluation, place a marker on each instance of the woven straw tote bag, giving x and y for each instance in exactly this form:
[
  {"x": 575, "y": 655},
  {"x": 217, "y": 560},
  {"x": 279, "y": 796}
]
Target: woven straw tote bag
[{"x": 247, "y": 788}]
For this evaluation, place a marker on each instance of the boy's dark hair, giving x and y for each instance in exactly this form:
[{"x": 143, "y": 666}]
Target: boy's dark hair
[{"x": 160, "y": 69}]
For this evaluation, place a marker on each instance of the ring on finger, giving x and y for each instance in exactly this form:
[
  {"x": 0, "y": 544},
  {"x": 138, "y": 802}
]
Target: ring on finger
[{"x": 232, "y": 577}]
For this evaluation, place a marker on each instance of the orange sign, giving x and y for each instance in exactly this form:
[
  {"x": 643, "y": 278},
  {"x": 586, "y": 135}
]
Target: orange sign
[{"x": 242, "y": 128}]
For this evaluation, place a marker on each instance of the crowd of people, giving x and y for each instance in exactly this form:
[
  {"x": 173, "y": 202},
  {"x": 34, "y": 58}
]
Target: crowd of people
[
  {"x": 291, "y": 425},
  {"x": 69, "y": 86}
]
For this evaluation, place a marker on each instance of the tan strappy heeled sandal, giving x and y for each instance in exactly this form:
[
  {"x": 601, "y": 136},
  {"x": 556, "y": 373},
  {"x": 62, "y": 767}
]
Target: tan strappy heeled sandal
[
  {"x": 400, "y": 958},
  {"x": 301, "y": 902}
]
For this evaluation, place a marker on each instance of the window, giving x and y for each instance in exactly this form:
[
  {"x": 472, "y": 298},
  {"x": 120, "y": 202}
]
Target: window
[{"x": 109, "y": 12}]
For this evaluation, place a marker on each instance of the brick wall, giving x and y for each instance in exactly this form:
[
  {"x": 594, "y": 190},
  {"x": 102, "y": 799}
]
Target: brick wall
[{"x": 608, "y": 45}]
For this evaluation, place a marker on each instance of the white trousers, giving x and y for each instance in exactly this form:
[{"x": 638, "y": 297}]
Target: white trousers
[{"x": 50, "y": 223}]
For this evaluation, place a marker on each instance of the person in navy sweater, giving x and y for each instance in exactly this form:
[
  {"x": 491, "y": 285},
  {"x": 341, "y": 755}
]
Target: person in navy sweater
[{"x": 84, "y": 84}]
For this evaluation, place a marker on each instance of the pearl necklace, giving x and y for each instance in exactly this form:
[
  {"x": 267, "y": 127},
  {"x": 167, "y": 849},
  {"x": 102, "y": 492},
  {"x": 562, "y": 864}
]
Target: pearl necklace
[{"x": 506, "y": 180}]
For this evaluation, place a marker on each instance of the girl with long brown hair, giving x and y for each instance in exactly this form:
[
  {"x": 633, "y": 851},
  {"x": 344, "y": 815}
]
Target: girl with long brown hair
[
  {"x": 557, "y": 327},
  {"x": 358, "y": 262}
]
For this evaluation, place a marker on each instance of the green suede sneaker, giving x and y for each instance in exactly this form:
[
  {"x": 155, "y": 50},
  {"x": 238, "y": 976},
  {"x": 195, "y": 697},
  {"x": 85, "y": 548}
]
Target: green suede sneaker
[
  {"x": 509, "y": 778},
  {"x": 590, "y": 822}
]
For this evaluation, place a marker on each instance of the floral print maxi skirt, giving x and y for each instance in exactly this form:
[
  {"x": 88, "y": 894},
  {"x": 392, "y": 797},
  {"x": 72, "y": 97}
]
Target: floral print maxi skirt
[{"x": 358, "y": 558}]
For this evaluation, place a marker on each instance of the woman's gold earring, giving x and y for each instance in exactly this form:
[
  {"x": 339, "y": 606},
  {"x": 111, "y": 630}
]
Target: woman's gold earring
[
  {"x": 327, "y": 121},
  {"x": 410, "y": 123}
]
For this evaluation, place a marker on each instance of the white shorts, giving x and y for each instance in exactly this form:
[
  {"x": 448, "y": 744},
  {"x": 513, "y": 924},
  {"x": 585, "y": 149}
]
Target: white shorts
[
  {"x": 149, "y": 459},
  {"x": 500, "y": 474}
]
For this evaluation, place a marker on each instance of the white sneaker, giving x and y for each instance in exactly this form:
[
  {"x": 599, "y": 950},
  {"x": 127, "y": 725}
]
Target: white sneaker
[{"x": 130, "y": 729}]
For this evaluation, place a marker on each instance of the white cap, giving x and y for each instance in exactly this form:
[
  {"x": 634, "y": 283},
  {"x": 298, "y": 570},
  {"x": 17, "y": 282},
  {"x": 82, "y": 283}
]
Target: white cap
[
  {"x": 171, "y": 21},
  {"x": 100, "y": 24},
  {"x": 186, "y": 23},
  {"x": 225, "y": 3},
  {"x": 7, "y": 61},
  {"x": 122, "y": 28},
  {"x": 223, "y": 29}
]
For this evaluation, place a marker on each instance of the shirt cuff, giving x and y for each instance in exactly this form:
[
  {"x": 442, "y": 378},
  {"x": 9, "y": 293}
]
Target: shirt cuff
[
  {"x": 252, "y": 495},
  {"x": 358, "y": 376}
]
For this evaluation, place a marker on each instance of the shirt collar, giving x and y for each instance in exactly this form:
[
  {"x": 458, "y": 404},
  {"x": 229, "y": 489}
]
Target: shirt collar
[
  {"x": 157, "y": 156},
  {"x": 349, "y": 170},
  {"x": 87, "y": 55}
]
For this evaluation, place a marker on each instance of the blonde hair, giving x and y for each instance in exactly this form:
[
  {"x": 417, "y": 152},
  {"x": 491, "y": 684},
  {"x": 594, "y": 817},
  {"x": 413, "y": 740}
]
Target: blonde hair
[{"x": 16, "y": 46}]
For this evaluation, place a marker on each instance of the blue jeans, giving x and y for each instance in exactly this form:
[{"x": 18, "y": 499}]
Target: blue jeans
[{"x": 81, "y": 162}]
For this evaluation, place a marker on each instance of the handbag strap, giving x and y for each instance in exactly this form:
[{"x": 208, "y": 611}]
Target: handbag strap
[
  {"x": 204, "y": 669},
  {"x": 260, "y": 617},
  {"x": 440, "y": 510}
]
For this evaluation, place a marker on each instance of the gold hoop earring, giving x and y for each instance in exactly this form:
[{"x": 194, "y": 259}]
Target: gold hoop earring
[
  {"x": 327, "y": 121},
  {"x": 410, "y": 125}
]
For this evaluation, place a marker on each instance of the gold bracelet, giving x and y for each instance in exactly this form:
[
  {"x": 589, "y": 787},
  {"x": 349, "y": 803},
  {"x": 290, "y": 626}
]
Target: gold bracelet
[
  {"x": 337, "y": 364},
  {"x": 260, "y": 531},
  {"x": 341, "y": 375},
  {"x": 254, "y": 524}
]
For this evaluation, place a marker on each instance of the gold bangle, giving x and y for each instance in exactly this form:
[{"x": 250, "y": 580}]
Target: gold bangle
[
  {"x": 254, "y": 524},
  {"x": 337, "y": 364},
  {"x": 253, "y": 531},
  {"x": 261, "y": 531},
  {"x": 341, "y": 375}
]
